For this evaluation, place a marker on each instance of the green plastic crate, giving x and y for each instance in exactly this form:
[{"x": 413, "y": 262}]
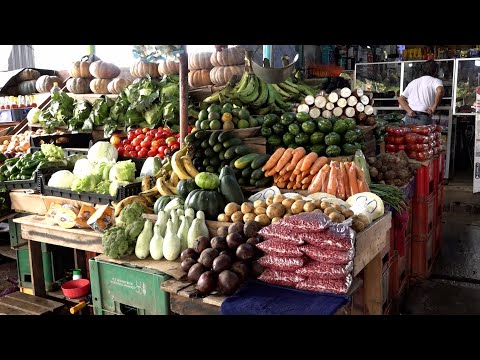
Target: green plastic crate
[
  {"x": 124, "y": 290},
  {"x": 24, "y": 274}
]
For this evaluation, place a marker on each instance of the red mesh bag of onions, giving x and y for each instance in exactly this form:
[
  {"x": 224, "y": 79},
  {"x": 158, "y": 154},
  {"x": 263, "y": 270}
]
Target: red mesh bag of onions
[{"x": 285, "y": 278}]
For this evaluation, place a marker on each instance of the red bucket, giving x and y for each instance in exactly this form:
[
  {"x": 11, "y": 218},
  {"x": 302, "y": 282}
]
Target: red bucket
[{"x": 76, "y": 288}]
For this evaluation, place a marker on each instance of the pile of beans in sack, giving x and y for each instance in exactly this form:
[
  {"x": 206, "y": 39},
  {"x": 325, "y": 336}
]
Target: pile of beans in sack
[{"x": 309, "y": 252}]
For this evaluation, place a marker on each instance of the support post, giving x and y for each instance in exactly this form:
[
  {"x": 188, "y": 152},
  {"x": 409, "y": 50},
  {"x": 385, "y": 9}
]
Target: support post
[{"x": 183, "y": 95}]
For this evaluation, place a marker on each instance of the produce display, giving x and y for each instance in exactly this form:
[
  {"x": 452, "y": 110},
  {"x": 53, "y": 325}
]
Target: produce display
[
  {"x": 331, "y": 137},
  {"x": 69, "y": 216},
  {"x": 295, "y": 169},
  {"x": 384, "y": 120},
  {"x": 340, "y": 103},
  {"x": 420, "y": 142},
  {"x": 226, "y": 117},
  {"x": 391, "y": 169}
]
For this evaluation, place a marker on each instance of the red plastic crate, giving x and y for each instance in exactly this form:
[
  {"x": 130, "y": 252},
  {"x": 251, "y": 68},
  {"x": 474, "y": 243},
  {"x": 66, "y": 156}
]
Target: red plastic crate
[
  {"x": 439, "y": 169},
  {"x": 401, "y": 270},
  {"x": 386, "y": 288},
  {"x": 424, "y": 181},
  {"x": 422, "y": 254},
  {"x": 439, "y": 202},
  {"x": 425, "y": 216},
  {"x": 401, "y": 229},
  {"x": 438, "y": 239}
]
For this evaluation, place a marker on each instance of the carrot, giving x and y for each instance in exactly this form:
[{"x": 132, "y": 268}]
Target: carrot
[
  {"x": 305, "y": 174},
  {"x": 275, "y": 177},
  {"x": 304, "y": 186},
  {"x": 332, "y": 180},
  {"x": 283, "y": 171},
  {"x": 325, "y": 182},
  {"x": 282, "y": 185},
  {"x": 298, "y": 179},
  {"x": 317, "y": 182},
  {"x": 270, "y": 172},
  {"x": 361, "y": 177},
  {"x": 270, "y": 164},
  {"x": 299, "y": 165},
  {"x": 293, "y": 176},
  {"x": 344, "y": 168},
  {"x": 298, "y": 154},
  {"x": 286, "y": 157},
  {"x": 308, "y": 162},
  {"x": 285, "y": 177},
  {"x": 318, "y": 164},
  {"x": 297, "y": 186},
  {"x": 290, "y": 185},
  {"x": 352, "y": 179},
  {"x": 307, "y": 180},
  {"x": 341, "y": 182},
  {"x": 361, "y": 186}
]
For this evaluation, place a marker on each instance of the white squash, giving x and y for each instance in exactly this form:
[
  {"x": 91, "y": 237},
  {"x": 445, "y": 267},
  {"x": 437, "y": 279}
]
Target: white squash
[
  {"x": 198, "y": 228},
  {"x": 156, "y": 244},
  {"x": 183, "y": 232},
  {"x": 162, "y": 219},
  {"x": 171, "y": 243},
  {"x": 142, "y": 248}
]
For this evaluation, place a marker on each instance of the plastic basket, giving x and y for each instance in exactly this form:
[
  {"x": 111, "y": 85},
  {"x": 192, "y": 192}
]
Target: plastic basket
[
  {"x": 30, "y": 184},
  {"x": 122, "y": 193},
  {"x": 80, "y": 140},
  {"x": 67, "y": 151}
]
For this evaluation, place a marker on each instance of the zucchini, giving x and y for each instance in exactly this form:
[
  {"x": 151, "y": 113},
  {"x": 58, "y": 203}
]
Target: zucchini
[
  {"x": 213, "y": 139},
  {"x": 209, "y": 152},
  {"x": 232, "y": 142},
  {"x": 265, "y": 182},
  {"x": 257, "y": 174},
  {"x": 260, "y": 161},
  {"x": 242, "y": 150},
  {"x": 230, "y": 152},
  {"x": 206, "y": 162},
  {"x": 221, "y": 155},
  {"x": 205, "y": 144},
  {"x": 190, "y": 138},
  {"x": 217, "y": 148},
  {"x": 247, "y": 172},
  {"x": 245, "y": 160},
  {"x": 214, "y": 161},
  {"x": 197, "y": 143},
  {"x": 252, "y": 182},
  {"x": 225, "y": 135},
  {"x": 210, "y": 169},
  {"x": 201, "y": 134}
]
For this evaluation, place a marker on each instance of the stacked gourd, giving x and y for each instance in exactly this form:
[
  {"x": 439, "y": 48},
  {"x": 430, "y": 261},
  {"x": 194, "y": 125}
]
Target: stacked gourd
[
  {"x": 143, "y": 69},
  {"x": 28, "y": 79},
  {"x": 169, "y": 67},
  {"x": 80, "y": 73},
  {"x": 199, "y": 66},
  {"x": 226, "y": 63},
  {"x": 103, "y": 73}
]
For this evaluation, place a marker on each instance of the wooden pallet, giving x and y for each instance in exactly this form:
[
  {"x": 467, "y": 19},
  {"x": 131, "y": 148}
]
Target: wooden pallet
[{"x": 19, "y": 303}]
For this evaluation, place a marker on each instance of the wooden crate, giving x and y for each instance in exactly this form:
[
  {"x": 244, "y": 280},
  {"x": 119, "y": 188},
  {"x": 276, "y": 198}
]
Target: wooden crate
[
  {"x": 258, "y": 143},
  {"x": 20, "y": 303}
]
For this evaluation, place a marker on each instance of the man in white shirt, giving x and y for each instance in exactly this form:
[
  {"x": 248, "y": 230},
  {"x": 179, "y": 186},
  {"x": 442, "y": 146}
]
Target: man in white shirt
[{"x": 422, "y": 96}]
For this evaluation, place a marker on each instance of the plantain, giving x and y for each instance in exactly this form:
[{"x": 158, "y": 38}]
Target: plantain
[
  {"x": 189, "y": 167},
  {"x": 249, "y": 89},
  {"x": 271, "y": 94},
  {"x": 247, "y": 99},
  {"x": 146, "y": 183},
  {"x": 174, "y": 178},
  {"x": 263, "y": 96},
  {"x": 242, "y": 83},
  {"x": 151, "y": 192},
  {"x": 282, "y": 92},
  {"x": 148, "y": 200},
  {"x": 169, "y": 185},
  {"x": 264, "y": 111}
]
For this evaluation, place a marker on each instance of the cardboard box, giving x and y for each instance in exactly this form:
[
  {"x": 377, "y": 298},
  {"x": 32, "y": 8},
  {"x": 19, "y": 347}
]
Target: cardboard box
[{"x": 38, "y": 204}]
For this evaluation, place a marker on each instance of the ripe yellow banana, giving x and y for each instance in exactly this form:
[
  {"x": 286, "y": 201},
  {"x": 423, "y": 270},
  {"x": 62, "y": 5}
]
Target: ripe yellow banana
[
  {"x": 174, "y": 178},
  {"x": 135, "y": 198},
  {"x": 188, "y": 166},
  {"x": 177, "y": 165},
  {"x": 146, "y": 183},
  {"x": 150, "y": 192},
  {"x": 169, "y": 185},
  {"x": 162, "y": 187}
]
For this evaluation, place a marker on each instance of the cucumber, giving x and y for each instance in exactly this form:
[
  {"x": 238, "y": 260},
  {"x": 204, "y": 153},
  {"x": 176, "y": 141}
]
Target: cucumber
[
  {"x": 201, "y": 134},
  {"x": 242, "y": 182},
  {"x": 206, "y": 162},
  {"x": 225, "y": 135},
  {"x": 232, "y": 163},
  {"x": 214, "y": 161},
  {"x": 230, "y": 152},
  {"x": 223, "y": 164},
  {"x": 260, "y": 161},
  {"x": 213, "y": 139},
  {"x": 245, "y": 160},
  {"x": 204, "y": 144},
  {"x": 265, "y": 182},
  {"x": 242, "y": 150},
  {"x": 231, "y": 142},
  {"x": 190, "y": 138},
  {"x": 230, "y": 190},
  {"x": 257, "y": 174},
  {"x": 197, "y": 143},
  {"x": 252, "y": 182},
  {"x": 221, "y": 155},
  {"x": 247, "y": 172},
  {"x": 218, "y": 147},
  {"x": 209, "y": 152},
  {"x": 211, "y": 169}
]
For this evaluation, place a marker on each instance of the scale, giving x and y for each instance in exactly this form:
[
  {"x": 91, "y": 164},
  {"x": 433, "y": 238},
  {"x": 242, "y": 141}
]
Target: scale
[{"x": 274, "y": 75}]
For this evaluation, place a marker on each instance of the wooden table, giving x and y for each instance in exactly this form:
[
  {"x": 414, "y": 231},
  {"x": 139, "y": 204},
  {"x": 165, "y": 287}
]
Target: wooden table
[{"x": 368, "y": 257}]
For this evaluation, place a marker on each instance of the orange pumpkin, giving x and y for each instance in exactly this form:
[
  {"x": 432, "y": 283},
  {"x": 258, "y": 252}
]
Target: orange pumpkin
[
  {"x": 198, "y": 78},
  {"x": 230, "y": 56},
  {"x": 199, "y": 61},
  {"x": 45, "y": 83},
  {"x": 29, "y": 74},
  {"x": 169, "y": 67},
  {"x": 117, "y": 85},
  {"x": 104, "y": 70},
  {"x": 99, "y": 86},
  {"x": 220, "y": 75},
  {"x": 78, "y": 85},
  {"x": 80, "y": 69},
  {"x": 142, "y": 69}
]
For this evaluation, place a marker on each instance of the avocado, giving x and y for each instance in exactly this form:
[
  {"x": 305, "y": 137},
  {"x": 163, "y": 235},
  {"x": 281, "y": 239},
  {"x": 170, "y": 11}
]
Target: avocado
[
  {"x": 234, "y": 240},
  {"x": 228, "y": 282},
  {"x": 219, "y": 243},
  {"x": 222, "y": 262},
  {"x": 222, "y": 231},
  {"x": 207, "y": 282},
  {"x": 200, "y": 244},
  {"x": 207, "y": 256},
  {"x": 187, "y": 264},
  {"x": 245, "y": 252},
  {"x": 195, "y": 272},
  {"x": 241, "y": 269},
  {"x": 251, "y": 228}
]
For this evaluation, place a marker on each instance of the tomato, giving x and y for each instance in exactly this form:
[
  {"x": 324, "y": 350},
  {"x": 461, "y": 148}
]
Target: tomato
[
  {"x": 155, "y": 144},
  {"x": 129, "y": 148},
  {"x": 390, "y": 148},
  {"x": 152, "y": 152},
  {"x": 138, "y": 148},
  {"x": 143, "y": 153},
  {"x": 401, "y": 147},
  {"x": 145, "y": 130},
  {"x": 167, "y": 132},
  {"x": 162, "y": 149},
  {"x": 159, "y": 135},
  {"x": 149, "y": 138},
  {"x": 141, "y": 137},
  {"x": 115, "y": 140},
  {"x": 136, "y": 141},
  {"x": 125, "y": 142},
  {"x": 138, "y": 132},
  {"x": 422, "y": 155},
  {"x": 171, "y": 142},
  {"x": 175, "y": 147},
  {"x": 170, "y": 138},
  {"x": 417, "y": 147},
  {"x": 121, "y": 151},
  {"x": 152, "y": 133},
  {"x": 131, "y": 135},
  {"x": 133, "y": 154},
  {"x": 145, "y": 144},
  {"x": 162, "y": 141},
  {"x": 177, "y": 136}
]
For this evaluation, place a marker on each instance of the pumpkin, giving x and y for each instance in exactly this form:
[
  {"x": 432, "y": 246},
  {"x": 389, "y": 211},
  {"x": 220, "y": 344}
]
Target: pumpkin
[
  {"x": 230, "y": 56},
  {"x": 184, "y": 187},
  {"x": 210, "y": 202},
  {"x": 104, "y": 70},
  {"x": 99, "y": 86},
  {"x": 220, "y": 75},
  {"x": 198, "y": 78},
  {"x": 168, "y": 67},
  {"x": 78, "y": 85},
  {"x": 142, "y": 69},
  {"x": 199, "y": 61},
  {"x": 117, "y": 85},
  {"x": 29, "y": 74},
  {"x": 45, "y": 83},
  {"x": 80, "y": 69},
  {"x": 27, "y": 87}
]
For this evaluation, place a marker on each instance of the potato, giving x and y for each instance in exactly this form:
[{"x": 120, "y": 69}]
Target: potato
[
  {"x": 237, "y": 216},
  {"x": 275, "y": 210},
  {"x": 309, "y": 206},
  {"x": 269, "y": 200},
  {"x": 263, "y": 220},
  {"x": 275, "y": 219},
  {"x": 297, "y": 206},
  {"x": 287, "y": 215},
  {"x": 324, "y": 205},
  {"x": 231, "y": 208},
  {"x": 223, "y": 218},
  {"x": 247, "y": 207},
  {"x": 336, "y": 217},
  {"x": 248, "y": 217},
  {"x": 338, "y": 208},
  {"x": 278, "y": 198},
  {"x": 297, "y": 197},
  {"x": 260, "y": 211},
  {"x": 260, "y": 204},
  {"x": 329, "y": 210},
  {"x": 317, "y": 203},
  {"x": 347, "y": 213},
  {"x": 318, "y": 210},
  {"x": 288, "y": 203}
]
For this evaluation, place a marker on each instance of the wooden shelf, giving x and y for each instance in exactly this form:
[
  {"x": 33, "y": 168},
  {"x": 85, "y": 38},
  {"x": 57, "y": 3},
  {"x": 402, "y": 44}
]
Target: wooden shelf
[{"x": 7, "y": 251}]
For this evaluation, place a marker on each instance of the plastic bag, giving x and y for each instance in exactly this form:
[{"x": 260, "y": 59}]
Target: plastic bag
[
  {"x": 281, "y": 263},
  {"x": 284, "y": 278},
  {"x": 279, "y": 248},
  {"x": 337, "y": 286},
  {"x": 328, "y": 256},
  {"x": 362, "y": 165},
  {"x": 312, "y": 222},
  {"x": 317, "y": 269}
]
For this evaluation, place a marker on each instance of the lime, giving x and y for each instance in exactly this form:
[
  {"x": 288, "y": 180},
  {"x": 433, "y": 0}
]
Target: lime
[
  {"x": 198, "y": 124},
  {"x": 244, "y": 114},
  {"x": 214, "y": 108},
  {"x": 243, "y": 124},
  {"x": 215, "y": 124},
  {"x": 228, "y": 125},
  {"x": 205, "y": 125},
  {"x": 203, "y": 115},
  {"x": 253, "y": 122},
  {"x": 227, "y": 108},
  {"x": 214, "y": 116},
  {"x": 235, "y": 111}
]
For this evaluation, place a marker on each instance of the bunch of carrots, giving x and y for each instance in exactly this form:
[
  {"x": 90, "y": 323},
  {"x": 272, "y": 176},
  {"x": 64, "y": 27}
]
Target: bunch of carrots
[{"x": 295, "y": 169}]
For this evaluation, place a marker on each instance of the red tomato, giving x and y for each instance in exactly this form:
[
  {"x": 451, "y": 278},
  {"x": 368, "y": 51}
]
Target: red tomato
[
  {"x": 121, "y": 151},
  {"x": 162, "y": 149},
  {"x": 152, "y": 133},
  {"x": 145, "y": 144},
  {"x": 175, "y": 147},
  {"x": 162, "y": 141},
  {"x": 129, "y": 148},
  {"x": 155, "y": 144},
  {"x": 115, "y": 140},
  {"x": 145, "y": 130},
  {"x": 177, "y": 135},
  {"x": 143, "y": 153},
  {"x": 401, "y": 147},
  {"x": 170, "y": 138},
  {"x": 141, "y": 137},
  {"x": 159, "y": 135},
  {"x": 167, "y": 132},
  {"x": 125, "y": 142},
  {"x": 172, "y": 143},
  {"x": 131, "y": 135},
  {"x": 138, "y": 148},
  {"x": 138, "y": 132},
  {"x": 126, "y": 154},
  {"x": 149, "y": 138},
  {"x": 136, "y": 141},
  {"x": 133, "y": 153},
  {"x": 152, "y": 152}
]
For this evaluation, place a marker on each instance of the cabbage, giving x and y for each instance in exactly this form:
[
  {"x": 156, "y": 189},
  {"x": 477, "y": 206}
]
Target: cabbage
[
  {"x": 85, "y": 184},
  {"x": 102, "y": 151},
  {"x": 123, "y": 171},
  {"x": 61, "y": 179},
  {"x": 102, "y": 171},
  {"x": 114, "y": 185},
  {"x": 83, "y": 168},
  {"x": 103, "y": 187},
  {"x": 33, "y": 115}
]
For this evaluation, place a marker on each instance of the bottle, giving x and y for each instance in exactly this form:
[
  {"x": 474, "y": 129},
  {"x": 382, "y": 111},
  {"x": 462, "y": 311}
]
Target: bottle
[
  {"x": 55, "y": 89},
  {"x": 2, "y": 103},
  {"x": 77, "y": 274},
  {"x": 13, "y": 102}
]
